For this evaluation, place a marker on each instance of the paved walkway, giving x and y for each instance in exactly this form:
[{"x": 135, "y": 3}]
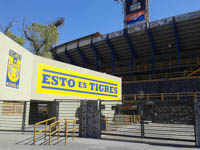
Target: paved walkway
[{"x": 19, "y": 141}]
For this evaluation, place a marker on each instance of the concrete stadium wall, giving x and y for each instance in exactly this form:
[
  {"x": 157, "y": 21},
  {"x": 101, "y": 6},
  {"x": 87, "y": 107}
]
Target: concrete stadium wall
[
  {"x": 166, "y": 86},
  {"x": 13, "y": 121},
  {"x": 24, "y": 91},
  {"x": 29, "y": 74},
  {"x": 28, "y": 85}
]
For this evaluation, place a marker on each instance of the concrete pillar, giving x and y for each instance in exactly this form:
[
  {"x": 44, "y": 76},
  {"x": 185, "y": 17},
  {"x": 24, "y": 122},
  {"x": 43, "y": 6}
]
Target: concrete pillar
[
  {"x": 197, "y": 122},
  {"x": 90, "y": 119}
]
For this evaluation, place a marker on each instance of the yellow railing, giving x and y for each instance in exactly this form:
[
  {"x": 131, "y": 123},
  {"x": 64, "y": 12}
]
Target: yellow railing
[
  {"x": 121, "y": 120},
  {"x": 193, "y": 72},
  {"x": 161, "y": 96},
  {"x": 42, "y": 130},
  {"x": 55, "y": 127},
  {"x": 56, "y": 130},
  {"x": 156, "y": 76},
  {"x": 146, "y": 67},
  {"x": 67, "y": 130}
]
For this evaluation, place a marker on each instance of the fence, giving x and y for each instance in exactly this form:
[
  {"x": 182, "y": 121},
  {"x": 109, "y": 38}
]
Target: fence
[
  {"x": 190, "y": 63},
  {"x": 129, "y": 98},
  {"x": 164, "y": 120}
]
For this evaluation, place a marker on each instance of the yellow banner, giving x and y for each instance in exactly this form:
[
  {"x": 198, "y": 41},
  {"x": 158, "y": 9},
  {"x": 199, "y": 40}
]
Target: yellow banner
[{"x": 53, "y": 80}]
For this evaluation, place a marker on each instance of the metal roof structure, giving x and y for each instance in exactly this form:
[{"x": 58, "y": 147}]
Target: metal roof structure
[{"x": 173, "y": 39}]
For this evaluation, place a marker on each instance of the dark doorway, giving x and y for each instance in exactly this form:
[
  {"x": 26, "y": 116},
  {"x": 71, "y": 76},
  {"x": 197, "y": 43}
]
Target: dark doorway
[{"x": 40, "y": 110}]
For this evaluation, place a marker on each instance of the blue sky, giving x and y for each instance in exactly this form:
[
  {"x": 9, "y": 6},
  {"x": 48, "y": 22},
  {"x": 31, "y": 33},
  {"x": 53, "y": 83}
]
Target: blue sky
[{"x": 84, "y": 17}]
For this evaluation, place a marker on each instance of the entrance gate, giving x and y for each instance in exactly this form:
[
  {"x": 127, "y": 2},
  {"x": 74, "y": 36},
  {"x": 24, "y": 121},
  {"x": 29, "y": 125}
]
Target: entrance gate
[{"x": 163, "y": 120}]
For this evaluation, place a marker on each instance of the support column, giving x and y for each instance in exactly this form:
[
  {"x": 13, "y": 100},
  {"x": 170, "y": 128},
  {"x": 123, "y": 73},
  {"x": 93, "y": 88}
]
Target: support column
[
  {"x": 90, "y": 119},
  {"x": 153, "y": 51},
  {"x": 113, "y": 53},
  {"x": 83, "y": 119},
  {"x": 24, "y": 117},
  {"x": 82, "y": 56},
  {"x": 98, "y": 58},
  {"x": 131, "y": 48},
  {"x": 54, "y": 54},
  {"x": 178, "y": 46},
  {"x": 71, "y": 60},
  {"x": 197, "y": 122}
]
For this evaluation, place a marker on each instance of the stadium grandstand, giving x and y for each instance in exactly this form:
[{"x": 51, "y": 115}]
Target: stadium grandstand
[{"x": 161, "y": 60}]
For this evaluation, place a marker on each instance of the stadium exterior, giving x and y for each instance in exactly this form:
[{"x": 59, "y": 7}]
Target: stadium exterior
[
  {"x": 34, "y": 88},
  {"x": 160, "y": 67},
  {"x": 167, "y": 50}
]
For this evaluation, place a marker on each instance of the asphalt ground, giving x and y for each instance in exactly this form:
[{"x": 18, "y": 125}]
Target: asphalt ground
[{"x": 20, "y": 141}]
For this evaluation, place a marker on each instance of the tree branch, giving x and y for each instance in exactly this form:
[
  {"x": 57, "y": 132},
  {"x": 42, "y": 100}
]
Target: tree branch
[
  {"x": 10, "y": 24},
  {"x": 29, "y": 38}
]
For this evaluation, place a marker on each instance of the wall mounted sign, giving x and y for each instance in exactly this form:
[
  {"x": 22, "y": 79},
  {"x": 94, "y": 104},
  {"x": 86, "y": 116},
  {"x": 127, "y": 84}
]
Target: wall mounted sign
[
  {"x": 54, "y": 80},
  {"x": 13, "y": 69}
]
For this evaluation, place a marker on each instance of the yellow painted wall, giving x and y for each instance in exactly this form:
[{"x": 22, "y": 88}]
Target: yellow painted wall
[{"x": 24, "y": 92}]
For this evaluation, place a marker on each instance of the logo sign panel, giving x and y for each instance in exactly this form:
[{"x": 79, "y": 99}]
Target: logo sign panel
[
  {"x": 135, "y": 12},
  {"x": 136, "y": 18},
  {"x": 135, "y": 6},
  {"x": 59, "y": 81},
  {"x": 13, "y": 69}
]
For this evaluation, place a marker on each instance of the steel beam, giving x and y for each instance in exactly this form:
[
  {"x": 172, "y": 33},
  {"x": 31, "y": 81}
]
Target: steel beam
[
  {"x": 98, "y": 57},
  {"x": 153, "y": 47},
  {"x": 71, "y": 60},
  {"x": 55, "y": 56},
  {"x": 131, "y": 48},
  {"x": 83, "y": 57},
  {"x": 194, "y": 72},
  {"x": 178, "y": 46},
  {"x": 113, "y": 53}
]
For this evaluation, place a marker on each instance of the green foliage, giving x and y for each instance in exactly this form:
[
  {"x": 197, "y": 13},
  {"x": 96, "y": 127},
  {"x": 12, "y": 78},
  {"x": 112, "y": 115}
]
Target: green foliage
[
  {"x": 46, "y": 54},
  {"x": 19, "y": 40},
  {"x": 41, "y": 38}
]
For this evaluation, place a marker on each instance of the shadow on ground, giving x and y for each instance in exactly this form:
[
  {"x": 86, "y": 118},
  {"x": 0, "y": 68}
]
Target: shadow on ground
[
  {"x": 40, "y": 140},
  {"x": 154, "y": 143}
]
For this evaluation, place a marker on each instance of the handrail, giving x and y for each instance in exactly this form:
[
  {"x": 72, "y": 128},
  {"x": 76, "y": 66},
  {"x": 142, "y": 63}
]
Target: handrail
[
  {"x": 54, "y": 124},
  {"x": 57, "y": 128},
  {"x": 45, "y": 129},
  {"x": 194, "y": 72},
  {"x": 169, "y": 64},
  {"x": 70, "y": 130},
  {"x": 132, "y": 118},
  {"x": 156, "y": 76},
  {"x": 161, "y": 96},
  {"x": 160, "y": 79}
]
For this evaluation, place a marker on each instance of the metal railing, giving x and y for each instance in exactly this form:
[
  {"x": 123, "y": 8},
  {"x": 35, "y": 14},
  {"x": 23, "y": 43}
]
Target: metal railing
[
  {"x": 121, "y": 120},
  {"x": 161, "y": 96},
  {"x": 155, "y": 76},
  {"x": 42, "y": 130},
  {"x": 162, "y": 65},
  {"x": 56, "y": 130},
  {"x": 73, "y": 130},
  {"x": 193, "y": 72}
]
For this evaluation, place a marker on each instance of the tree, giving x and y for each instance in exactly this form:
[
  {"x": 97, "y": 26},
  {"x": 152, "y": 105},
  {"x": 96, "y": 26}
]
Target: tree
[
  {"x": 7, "y": 31},
  {"x": 19, "y": 40},
  {"x": 41, "y": 38}
]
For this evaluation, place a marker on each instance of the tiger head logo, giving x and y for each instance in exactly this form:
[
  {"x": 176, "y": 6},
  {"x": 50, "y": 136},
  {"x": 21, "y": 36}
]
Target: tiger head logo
[{"x": 13, "y": 70}]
